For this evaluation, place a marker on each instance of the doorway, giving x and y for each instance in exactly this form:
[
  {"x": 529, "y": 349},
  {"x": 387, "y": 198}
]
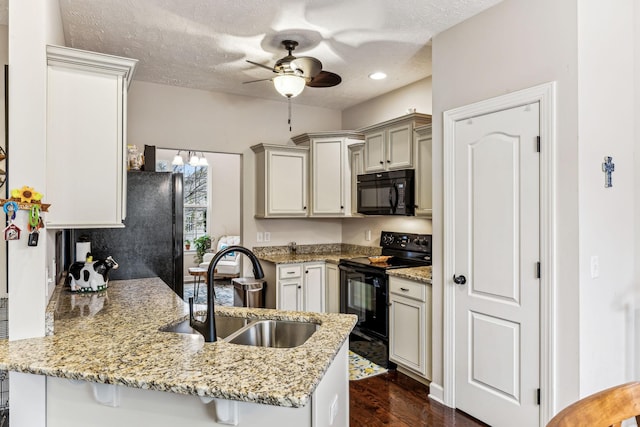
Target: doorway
[
  {"x": 453, "y": 354},
  {"x": 213, "y": 199}
]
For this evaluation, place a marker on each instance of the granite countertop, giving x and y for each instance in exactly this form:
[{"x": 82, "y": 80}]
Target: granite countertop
[
  {"x": 419, "y": 274},
  {"x": 112, "y": 337},
  {"x": 330, "y": 257},
  {"x": 330, "y": 252}
]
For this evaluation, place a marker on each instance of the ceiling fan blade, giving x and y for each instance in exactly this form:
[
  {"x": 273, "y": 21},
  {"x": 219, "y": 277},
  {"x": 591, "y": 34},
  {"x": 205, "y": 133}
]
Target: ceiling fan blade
[
  {"x": 260, "y": 65},
  {"x": 309, "y": 66},
  {"x": 253, "y": 81},
  {"x": 325, "y": 79}
]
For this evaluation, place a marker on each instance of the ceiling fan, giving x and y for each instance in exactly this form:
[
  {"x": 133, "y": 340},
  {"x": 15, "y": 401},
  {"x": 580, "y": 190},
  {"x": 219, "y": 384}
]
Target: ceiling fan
[{"x": 294, "y": 73}]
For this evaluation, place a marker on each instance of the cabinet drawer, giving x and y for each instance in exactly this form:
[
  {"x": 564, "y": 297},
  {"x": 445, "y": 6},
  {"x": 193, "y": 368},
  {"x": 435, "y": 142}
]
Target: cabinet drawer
[
  {"x": 408, "y": 288},
  {"x": 289, "y": 271}
]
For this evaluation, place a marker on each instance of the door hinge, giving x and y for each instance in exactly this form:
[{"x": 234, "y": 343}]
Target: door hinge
[
  {"x": 538, "y": 396},
  {"x": 538, "y": 144},
  {"x": 538, "y": 274}
]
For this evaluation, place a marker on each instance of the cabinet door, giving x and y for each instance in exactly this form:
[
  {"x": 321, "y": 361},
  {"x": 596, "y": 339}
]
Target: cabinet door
[
  {"x": 85, "y": 153},
  {"x": 314, "y": 287},
  {"x": 327, "y": 177},
  {"x": 423, "y": 183},
  {"x": 332, "y": 280},
  {"x": 356, "y": 152},
  {"x": 407, "y": 336},
  {"x": 289, "y": 292},
  {"x": 287, "y": 183},
  {"x": 374, "y": 152},
  {"x": 399, "y": 147}
]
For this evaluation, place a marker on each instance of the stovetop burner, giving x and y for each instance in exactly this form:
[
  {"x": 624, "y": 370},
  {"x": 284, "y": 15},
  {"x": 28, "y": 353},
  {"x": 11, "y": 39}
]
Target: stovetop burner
[{"x": 407, "y": 250}]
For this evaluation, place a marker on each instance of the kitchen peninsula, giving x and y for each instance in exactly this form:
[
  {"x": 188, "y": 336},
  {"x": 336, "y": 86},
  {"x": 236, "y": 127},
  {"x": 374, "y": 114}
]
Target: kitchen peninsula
[{"x": 108, "y": 364}]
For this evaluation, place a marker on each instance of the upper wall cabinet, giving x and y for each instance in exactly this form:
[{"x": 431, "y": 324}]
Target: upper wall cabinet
[
  {"x": 330, "y": 171},
  {"x": 86, "y": 138},
  {"x": 281, "y": 181},
  {"x": 424, "y": 180},
  {"x": 389, "y": 145}
]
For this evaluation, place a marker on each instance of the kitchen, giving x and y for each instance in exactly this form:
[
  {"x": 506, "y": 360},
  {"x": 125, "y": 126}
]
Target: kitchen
[
  {"x": 262, "y": 114},
  {"x": 151, "y": 105}
]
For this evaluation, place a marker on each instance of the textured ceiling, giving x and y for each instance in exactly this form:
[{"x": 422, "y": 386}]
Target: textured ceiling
[{"x": 203, "y": 44}]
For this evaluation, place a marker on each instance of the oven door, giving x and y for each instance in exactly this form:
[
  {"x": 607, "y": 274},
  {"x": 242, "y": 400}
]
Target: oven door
[{"x": 363, "y": 292}]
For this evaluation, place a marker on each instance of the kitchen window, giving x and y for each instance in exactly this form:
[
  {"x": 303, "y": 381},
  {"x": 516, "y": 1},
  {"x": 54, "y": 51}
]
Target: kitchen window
[{"x": 196, "y": 190}]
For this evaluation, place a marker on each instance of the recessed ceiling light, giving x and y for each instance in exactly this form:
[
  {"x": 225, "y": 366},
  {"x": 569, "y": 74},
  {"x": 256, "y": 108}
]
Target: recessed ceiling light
[{"x": 378, "y": 75}]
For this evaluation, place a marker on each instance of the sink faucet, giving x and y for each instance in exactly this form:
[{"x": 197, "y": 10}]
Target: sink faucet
[{"x": 208, "y": 327}]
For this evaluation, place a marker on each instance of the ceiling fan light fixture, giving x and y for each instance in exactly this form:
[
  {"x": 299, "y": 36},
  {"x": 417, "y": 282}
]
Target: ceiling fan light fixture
[
  {"x": 203, "y": 161},
  {"x": 289, "y": 85},
  {"x": 378, "y": 75}
]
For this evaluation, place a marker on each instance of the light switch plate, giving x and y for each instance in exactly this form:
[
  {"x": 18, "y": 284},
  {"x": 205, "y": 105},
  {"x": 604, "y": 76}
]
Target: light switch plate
[
  {"x": 595, "y": 267},
  {"x": 267, "y": 236},
  {"x": 259, "y": 236}
]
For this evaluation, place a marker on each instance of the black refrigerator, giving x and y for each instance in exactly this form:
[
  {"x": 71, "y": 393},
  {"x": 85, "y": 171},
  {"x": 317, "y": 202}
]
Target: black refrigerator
[{"x": 150, "y": 244}]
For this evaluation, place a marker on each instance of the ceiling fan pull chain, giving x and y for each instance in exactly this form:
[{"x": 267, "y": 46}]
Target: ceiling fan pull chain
[{"x": 289, "y": 102}]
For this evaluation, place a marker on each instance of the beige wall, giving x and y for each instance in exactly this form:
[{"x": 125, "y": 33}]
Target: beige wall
[
  {"x": 176, "y": 117},
  {"x": 385, "y": 107},
  {"x": 531, "y": 43},
  {"x": 390, "y": 105},
  {"x": 4, "y": 59}
]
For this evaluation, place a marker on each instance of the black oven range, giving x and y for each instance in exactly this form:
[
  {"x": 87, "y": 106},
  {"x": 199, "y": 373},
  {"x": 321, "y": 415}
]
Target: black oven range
[{"x": 364, "y": 291}]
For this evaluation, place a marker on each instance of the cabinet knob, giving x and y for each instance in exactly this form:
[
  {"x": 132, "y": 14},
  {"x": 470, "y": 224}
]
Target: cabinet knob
[
  {"x": 404, "y": 289},
  {"x": 306, "y": 272},
  {"x": 341, "y": 207},
  {"x": 388, "y": 161},
  {"x": 381, "y": 162},
  {"x": 299, "y": 287}
]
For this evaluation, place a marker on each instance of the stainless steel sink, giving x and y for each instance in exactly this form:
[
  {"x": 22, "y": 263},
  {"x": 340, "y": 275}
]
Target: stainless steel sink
[
  {"x": 274, "y": 333},
  {"x": 225, "y": 326}
]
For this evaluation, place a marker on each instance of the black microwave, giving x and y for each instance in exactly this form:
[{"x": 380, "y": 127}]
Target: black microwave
[{"x": 386, "y": 193}]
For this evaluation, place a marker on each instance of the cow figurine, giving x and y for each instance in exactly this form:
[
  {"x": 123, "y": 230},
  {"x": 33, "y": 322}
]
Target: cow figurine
[{"x": 90, "y": 276}]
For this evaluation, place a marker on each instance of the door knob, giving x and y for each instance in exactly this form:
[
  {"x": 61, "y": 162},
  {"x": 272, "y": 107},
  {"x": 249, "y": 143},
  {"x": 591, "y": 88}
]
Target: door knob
[{"x": 459, "y": 280}]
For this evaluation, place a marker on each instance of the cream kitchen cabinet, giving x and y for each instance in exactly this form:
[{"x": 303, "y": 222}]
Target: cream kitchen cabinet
[
  {"x": 410, "y": 325},
  {"x": 424, "y": 180},
  {"x": 329, "y": 171},
  {"x": 86, "y": 138},
  {"x": 356, "y": 155},
  {"x": 281, "y": 181},
  {"x": 389, "y": 145},
  {"x": 332, "y": 281},
  {"x": 301, "y": 287}
]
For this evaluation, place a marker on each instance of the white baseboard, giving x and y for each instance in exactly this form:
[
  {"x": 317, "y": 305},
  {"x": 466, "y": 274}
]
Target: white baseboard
[{"x": 436, "y": 393}]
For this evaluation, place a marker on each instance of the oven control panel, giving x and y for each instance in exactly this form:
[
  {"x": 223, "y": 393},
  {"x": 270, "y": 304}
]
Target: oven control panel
[{"x": 406, "y": 241}]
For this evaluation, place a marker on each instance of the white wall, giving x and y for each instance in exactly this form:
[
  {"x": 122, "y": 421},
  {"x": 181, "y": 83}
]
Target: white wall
[
  {"x": 32, "y": 25},
  {"x": 390, "y": 105},
  {"x": 515, "y": 45},
  {"x": 606, "y": 128},
  {"x": 175, "y": 117},
  {"x": 31, "y": 28}
]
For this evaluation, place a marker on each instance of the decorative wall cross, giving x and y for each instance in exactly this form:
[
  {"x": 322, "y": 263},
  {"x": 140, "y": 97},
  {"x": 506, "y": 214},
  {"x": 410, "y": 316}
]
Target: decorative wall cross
[{"x": 608, "y": 167}]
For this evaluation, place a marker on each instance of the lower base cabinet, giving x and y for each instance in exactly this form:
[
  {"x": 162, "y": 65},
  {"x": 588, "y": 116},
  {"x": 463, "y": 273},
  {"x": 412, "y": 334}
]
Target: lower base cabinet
[
  {"x": 301, "y": 287},
  {"x": 332, "y": 280},
  {"x": 410, "y": 325}
]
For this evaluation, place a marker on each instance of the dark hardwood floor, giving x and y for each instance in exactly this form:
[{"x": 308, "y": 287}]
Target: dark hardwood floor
[{"x": 394, "y": 399}]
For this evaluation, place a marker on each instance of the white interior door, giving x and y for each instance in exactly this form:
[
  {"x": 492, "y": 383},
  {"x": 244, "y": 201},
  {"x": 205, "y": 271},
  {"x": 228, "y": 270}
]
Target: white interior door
[{"x": 497, "y": 250}]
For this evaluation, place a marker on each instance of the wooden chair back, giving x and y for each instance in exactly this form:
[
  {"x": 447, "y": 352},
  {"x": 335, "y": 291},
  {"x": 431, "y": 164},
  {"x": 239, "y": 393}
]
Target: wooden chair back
[{"x": 602, "y": 409}]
